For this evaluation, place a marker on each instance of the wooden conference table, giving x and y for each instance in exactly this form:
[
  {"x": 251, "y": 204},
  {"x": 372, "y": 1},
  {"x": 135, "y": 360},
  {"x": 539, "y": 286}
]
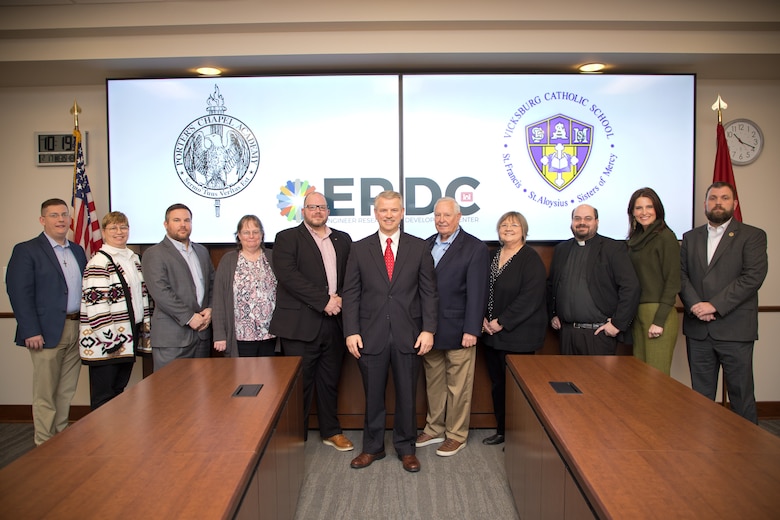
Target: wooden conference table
[
  {"x": 634, "y": 444},
  {"x": 175, "y": 445}
]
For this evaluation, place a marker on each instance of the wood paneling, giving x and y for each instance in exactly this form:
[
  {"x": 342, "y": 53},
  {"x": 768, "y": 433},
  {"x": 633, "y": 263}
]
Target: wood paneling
[
  {"x": 176, "y": 445},
  {"x": 639, "y": 444}
]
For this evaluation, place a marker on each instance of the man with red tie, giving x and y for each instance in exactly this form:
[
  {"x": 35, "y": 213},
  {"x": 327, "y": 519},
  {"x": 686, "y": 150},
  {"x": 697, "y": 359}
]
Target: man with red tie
[{"x": 390, "y": 307}]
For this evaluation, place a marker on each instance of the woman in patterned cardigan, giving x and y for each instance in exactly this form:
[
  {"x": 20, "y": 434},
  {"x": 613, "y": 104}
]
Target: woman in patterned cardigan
[{"x": 115, "y": 312}]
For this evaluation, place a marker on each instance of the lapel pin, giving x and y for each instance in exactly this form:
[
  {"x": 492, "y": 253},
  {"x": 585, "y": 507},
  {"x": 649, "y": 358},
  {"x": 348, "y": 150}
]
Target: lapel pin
[{"x": 731, "y": 234}]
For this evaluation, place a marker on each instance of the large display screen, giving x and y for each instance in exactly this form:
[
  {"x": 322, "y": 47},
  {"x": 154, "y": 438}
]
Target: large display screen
[{"x": 538, "y": 144}]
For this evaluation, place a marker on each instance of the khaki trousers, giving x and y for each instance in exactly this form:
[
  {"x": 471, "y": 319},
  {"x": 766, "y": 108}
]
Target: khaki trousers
[
  {"x": 449, "y": 380},
  {"x": 55, "y": 378}
]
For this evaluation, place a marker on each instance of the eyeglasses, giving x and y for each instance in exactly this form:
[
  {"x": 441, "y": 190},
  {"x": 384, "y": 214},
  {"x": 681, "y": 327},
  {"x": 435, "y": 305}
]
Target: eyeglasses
[
  {"x": 313, "y": 207},
  {"x": 114, "y": 229},
  {"x": 509, "y": 226},
  {"x": 250, "y": 233},
  {"x": 580, "y": 219}
]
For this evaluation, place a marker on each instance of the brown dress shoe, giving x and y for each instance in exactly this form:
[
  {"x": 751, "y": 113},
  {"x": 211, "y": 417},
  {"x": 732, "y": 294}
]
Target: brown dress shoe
[
  {"x": 364, "y": 460},
  {"x": 339, "y": 441},
  {"x": 410, "y": 463}
]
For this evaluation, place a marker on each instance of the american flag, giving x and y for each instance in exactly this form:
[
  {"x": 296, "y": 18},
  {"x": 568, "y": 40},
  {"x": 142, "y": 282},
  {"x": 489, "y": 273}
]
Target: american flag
[{"x": 85, "y": 224}]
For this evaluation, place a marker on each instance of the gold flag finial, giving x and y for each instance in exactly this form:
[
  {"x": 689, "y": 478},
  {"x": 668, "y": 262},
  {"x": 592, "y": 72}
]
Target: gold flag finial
[
  {"x": 75, "y": 110},
  {"x": 720, "y": 105}
]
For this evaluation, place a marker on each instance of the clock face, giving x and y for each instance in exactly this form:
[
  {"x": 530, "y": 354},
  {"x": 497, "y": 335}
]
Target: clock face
[{"x": 745, "y": 141}]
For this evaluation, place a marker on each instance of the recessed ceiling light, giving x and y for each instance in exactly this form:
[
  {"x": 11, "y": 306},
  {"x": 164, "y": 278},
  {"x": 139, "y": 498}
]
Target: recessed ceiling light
[
  {"x": 592, "y": 67},
  {"x": 208, "y": 71}
]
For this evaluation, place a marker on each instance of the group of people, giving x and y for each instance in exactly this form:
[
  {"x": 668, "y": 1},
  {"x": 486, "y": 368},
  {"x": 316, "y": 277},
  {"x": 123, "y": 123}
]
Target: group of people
[{"x": 395, "y": 302}]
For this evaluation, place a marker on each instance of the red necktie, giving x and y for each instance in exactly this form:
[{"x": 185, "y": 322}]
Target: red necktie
[{"x": 389, "y": 259}]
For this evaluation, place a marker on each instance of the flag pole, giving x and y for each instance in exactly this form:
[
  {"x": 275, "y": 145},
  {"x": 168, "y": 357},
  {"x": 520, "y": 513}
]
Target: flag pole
[{"x": 721, "y": 105}]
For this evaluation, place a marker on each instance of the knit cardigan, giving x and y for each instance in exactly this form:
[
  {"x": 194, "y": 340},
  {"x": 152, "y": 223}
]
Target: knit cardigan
[{"x": 105, "y": 332}]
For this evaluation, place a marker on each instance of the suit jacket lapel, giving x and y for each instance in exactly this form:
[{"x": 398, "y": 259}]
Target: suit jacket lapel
[
  {"x": 729, "y": 234},
  {"x": 44, "y": 243},
  {"x": 451, "y": 252},
  {"x": 176, "y": 254}
]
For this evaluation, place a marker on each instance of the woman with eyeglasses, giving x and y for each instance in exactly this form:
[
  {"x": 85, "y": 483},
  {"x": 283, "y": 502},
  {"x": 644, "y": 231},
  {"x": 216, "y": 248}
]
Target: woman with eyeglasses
[
  {"x": 115, "y": 312},
  {"x": 516, "y": 318},
  {"x": 245, "y": 295}
]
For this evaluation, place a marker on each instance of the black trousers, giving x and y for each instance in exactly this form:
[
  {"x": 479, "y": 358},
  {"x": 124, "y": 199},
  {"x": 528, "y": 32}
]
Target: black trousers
[
  {"x": 262, "y": 348},
  {"x": 108, "y": 381},
  {"x": 322, "y": 360},
  {"x": 706, "y": 357},
  {"x": 583, "y": 342},
  {"x": 496, "y": 366},
  {"x": 406, "y": 370}
]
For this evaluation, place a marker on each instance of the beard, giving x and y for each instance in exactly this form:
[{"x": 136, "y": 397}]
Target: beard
[
  {"x": 582, "y": 233},
  {"x": 718, "y": 215}
]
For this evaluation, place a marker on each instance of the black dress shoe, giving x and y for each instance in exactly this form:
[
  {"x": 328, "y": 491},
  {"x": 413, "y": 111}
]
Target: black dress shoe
[{"x": 494, "y": 439}]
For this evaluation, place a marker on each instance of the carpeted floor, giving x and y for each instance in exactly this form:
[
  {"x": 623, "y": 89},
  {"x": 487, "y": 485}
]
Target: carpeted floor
[{"x": 469, "y": 485}]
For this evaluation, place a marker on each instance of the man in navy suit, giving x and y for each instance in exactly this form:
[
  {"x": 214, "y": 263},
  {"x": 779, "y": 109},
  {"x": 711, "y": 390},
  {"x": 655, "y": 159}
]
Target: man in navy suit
[
  {"x": 390, "y": 316},
  {"x": 309, "y": 262},
  {"x": 44, "y": 286},
  {"x": 724, "y": 263},
  {"x": 461, "y": 261},
  {"x": 180, "y": 278}
]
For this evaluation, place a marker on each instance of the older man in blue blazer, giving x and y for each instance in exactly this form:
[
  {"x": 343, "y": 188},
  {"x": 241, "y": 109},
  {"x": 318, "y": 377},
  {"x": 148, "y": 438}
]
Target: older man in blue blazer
[
  {"x": 724, "y": 263},
  {"x": 461, "y": 261},
  {"x": 44, "y": 286},
  {"x": 180, "y": 278}
]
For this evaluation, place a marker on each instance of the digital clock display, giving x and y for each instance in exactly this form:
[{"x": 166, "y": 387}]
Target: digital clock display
[
  {"x": 56, "y": 143},
  {"x": 56, "y": 158},
  {"x": 57, "y": 148}
]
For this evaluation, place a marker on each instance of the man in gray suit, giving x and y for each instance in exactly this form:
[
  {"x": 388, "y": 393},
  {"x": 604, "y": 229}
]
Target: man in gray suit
[
  {"x": 180, "y": 278},
  {"x": 723, "y": 265}
]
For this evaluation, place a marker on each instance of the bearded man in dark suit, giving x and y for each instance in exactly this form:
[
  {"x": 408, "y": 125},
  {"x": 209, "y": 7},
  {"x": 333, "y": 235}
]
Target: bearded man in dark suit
[
  {"x": 309, "y": 262},
  {"x": 724, "y": 263}
]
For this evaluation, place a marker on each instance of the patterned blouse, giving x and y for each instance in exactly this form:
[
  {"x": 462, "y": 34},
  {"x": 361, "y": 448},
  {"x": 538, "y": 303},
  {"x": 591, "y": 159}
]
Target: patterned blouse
[
  {"x": 254, "y": 294},
  {"x": 495, "y": 272}
]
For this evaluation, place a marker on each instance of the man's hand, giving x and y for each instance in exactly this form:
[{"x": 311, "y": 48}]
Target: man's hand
[
  {"x": 705, "y": 311},
  {"x": 468, "y": 341},
  {"x": 424, "y": 343},
  {"x": 198, "y": 322},
  {"x": 354, "y": 344},
  {"x": 556, "y": 323},
  {"x": 34, "y": 343},
  {"x": 334, "y": 305},
  {"x": 609, "y": 329},
  {"x": 220, "y": 346}
]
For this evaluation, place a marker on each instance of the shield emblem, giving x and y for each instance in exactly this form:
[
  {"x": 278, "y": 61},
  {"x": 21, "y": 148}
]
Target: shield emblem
[{"x": 559, "y": 147}]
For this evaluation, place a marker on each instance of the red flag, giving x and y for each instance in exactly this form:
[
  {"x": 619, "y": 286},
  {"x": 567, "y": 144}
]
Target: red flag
[
  {"x": 723, "y": 171},
  {"x": 85, "y": 224}
]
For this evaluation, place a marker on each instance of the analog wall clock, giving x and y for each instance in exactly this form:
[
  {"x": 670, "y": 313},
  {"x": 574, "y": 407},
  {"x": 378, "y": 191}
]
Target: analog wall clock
[{"x": 745, "y": 141}]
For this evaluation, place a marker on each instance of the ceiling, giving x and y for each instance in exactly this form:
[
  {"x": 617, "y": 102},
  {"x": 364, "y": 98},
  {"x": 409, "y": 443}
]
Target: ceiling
[{"x": 711, "y": 56}]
